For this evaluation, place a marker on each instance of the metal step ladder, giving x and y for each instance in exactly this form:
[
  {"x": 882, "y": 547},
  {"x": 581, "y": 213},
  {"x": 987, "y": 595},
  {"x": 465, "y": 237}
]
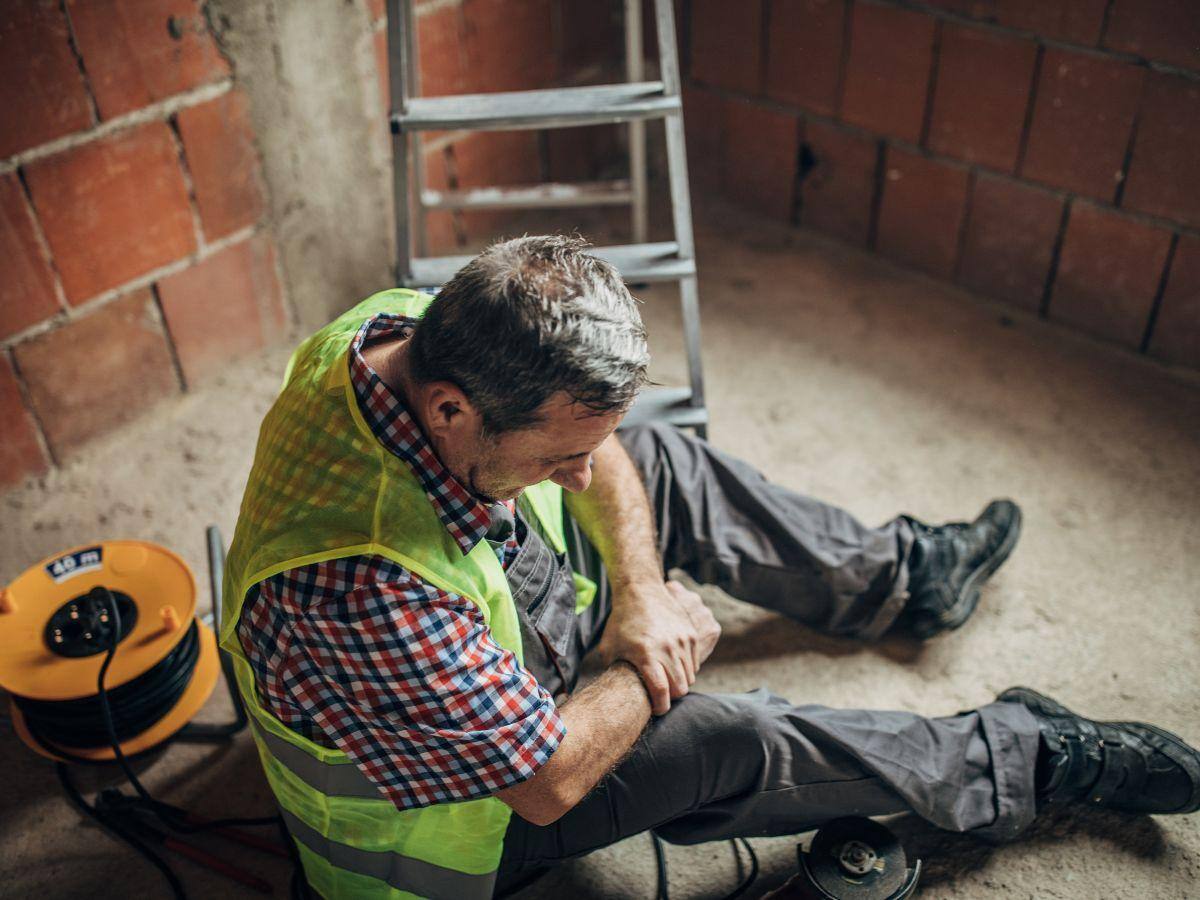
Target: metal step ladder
[{"x": 633, "y": 102}]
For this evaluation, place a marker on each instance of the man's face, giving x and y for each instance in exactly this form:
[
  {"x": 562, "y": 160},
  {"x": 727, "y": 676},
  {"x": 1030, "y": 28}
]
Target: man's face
[{"x": 558, "y": 449}]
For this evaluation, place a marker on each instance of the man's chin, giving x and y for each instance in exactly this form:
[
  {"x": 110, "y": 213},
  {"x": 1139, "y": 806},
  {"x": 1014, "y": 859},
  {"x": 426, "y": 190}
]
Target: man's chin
[{"x": 490, "y": 497}]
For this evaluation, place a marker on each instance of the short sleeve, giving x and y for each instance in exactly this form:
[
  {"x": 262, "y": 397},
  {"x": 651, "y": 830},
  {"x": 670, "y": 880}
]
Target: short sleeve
[{"x": 408, "y": 681}]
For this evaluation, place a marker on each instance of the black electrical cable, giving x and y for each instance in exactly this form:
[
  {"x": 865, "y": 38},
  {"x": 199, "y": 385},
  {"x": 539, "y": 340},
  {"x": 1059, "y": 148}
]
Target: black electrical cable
[
  {"x": 109, "y": 824},
  {"x": 133, "y": 707},
  {"x": 750, "y": 878},
  {"x": 660, "y": 859},
  {"x": 171, "y": 816}
]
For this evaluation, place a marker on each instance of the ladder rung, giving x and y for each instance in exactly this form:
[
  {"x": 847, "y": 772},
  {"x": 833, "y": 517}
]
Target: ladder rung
[
  {"x": 666, "y": 404},
  {"x": 534, "y": 196},
  {"x": 636, "y": 262},
  {"x": 554, "y": 108}
]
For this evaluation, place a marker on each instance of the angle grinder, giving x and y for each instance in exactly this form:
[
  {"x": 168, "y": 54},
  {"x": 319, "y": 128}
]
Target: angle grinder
[{"x": 852, "y": 858}]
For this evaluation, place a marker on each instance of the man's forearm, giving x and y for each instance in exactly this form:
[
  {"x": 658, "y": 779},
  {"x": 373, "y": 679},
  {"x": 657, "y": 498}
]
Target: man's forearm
[
  {"x": 616, "y": 516},
  {"x": 661, "y": 627},
  {"x": 602, "y": 721}
]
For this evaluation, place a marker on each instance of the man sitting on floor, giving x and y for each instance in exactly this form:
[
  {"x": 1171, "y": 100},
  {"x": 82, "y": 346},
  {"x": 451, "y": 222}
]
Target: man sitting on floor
[{"x": 412, "y": 595}]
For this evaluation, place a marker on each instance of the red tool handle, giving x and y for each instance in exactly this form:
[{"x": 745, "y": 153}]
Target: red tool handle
[
  {"x": 196, "y": 855},
  {"x": 239, "y": 836}
]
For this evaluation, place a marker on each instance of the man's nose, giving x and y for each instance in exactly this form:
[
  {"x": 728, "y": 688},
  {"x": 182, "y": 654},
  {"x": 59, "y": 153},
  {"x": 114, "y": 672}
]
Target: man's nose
[{"x": 575, "y": 477}]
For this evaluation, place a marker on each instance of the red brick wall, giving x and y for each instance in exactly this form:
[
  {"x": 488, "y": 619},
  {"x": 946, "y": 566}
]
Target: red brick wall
[
  {"x": 134, "y": 253},
  {"x": 1044, "y": 153},
  {"x": 136, "y": 249}
]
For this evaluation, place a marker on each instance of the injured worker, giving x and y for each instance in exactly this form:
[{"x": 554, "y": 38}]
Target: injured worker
[{"x": 443, "y": 520}]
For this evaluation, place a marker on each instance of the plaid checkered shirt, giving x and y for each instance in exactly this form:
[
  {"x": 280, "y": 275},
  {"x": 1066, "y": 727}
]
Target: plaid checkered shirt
[{"x": 360, "y": 654}]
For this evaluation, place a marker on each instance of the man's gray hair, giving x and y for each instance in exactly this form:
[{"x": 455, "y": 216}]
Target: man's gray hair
[{"x": 530, "y": 317}]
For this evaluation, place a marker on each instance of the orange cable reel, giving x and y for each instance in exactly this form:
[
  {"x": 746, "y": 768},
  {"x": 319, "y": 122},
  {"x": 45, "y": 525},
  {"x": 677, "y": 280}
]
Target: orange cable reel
[{"x": 57, "y": 626}]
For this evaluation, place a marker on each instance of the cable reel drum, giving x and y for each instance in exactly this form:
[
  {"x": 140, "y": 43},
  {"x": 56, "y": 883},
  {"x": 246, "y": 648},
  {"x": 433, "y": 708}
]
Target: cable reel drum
[{"x": 57, "y": 623}]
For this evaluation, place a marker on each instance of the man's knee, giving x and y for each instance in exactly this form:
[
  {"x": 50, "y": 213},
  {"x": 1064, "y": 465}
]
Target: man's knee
[
  {"x": 704, "y": 727},
  {"x": 657, "y": 447},
  {"x": 645, "y": 442}
]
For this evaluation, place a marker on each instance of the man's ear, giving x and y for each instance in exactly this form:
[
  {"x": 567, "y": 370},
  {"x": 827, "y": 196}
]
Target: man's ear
[{"x": 448, "y": 411}]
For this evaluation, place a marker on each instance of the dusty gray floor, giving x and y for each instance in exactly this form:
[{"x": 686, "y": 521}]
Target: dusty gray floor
[{"x": 840, "y": 376}]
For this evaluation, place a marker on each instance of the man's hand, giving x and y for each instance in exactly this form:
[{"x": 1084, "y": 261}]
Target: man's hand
[{"x": 666, "y": 632}]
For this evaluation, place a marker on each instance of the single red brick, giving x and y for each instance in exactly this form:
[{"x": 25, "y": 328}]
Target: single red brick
[
  {"x": 1108, "y": 273},
  {"x": 41, "y": 89},
  {"x": 726, "y": 40},
  {"x": 95, "y": 373},
  {"x": 1081, "y": 121},
  {"x": 1176, "y": 337},
  {"x": 218, "y": 142},
  {"x": 140, "y": 51},
  {"x": 21, "y": 453},
  {"x": 377, "y": 10},
  {"x": 224, "y": 307},
  {"x": 837, "y": 192},
  {"x": 1011, "y": 229},
  {"x": 922, "y": 211},
  {"x": 983, "y": 85},
  {"x": 1163, "y": 177},
  {"x": 1078, "y": 21},
  {"x": 113, "y": 209},
  {"x": 758, "y": 165},
  {"x": 1167, "y": 30},
  {"x": 27, "y": 288},
  {"x": 804, "y": 57},
  {"x": 887, "y": 72}
]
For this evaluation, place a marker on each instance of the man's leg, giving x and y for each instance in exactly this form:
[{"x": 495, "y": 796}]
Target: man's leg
[
  {"x": 723, "y": 523},
  {"x": 746, "y": 765}
]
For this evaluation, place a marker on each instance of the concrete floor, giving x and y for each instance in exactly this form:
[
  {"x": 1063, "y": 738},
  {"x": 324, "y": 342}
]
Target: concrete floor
[{"x": 841, "y": 376}]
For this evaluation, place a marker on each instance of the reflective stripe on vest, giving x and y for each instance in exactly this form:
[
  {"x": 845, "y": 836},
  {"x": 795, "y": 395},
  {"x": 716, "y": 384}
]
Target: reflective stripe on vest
[
  {"x": 404, "y": 873},
  {"x": 344, "y": 780}
]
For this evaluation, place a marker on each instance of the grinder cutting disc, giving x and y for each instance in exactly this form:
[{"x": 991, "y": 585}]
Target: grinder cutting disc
[{"x": 857, "y": 859}]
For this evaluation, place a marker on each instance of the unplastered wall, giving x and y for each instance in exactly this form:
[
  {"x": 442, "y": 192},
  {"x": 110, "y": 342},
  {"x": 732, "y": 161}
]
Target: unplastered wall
[
  {"x": 182, "y": 183},
  {"x": 135, "y": 257},
  {"x": 1044, "y": 153}
]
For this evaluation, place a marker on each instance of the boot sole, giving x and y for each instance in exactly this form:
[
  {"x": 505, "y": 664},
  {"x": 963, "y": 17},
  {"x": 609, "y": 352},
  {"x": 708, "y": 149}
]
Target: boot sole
[
  {"x": 1185, "y": 757},
  {"x": 967, "y": 599}
]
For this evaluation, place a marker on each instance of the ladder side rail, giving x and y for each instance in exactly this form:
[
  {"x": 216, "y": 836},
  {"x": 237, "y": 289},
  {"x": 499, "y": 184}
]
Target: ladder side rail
[
  {"x": 681, "y": 203},
  {"x": 635, "y": 64},
  {"x": 420, "y": 223},
  {"x": 399, "y": 29}
]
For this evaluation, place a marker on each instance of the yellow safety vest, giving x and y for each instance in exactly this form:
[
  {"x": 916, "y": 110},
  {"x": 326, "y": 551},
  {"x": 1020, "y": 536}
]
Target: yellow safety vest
[{"x": 323, "y": 487}]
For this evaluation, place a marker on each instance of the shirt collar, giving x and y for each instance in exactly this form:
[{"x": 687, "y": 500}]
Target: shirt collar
[{"x": 465, "y": 516}]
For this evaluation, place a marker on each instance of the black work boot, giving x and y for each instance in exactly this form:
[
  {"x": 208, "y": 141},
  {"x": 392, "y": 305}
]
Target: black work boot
[
  {"x": 1128, "y": 766},
  {"x": 949, "y": 563}
]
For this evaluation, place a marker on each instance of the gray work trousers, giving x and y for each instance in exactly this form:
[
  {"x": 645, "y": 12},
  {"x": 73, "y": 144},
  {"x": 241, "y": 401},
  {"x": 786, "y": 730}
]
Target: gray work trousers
[{"x": 743, "y": 765}]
